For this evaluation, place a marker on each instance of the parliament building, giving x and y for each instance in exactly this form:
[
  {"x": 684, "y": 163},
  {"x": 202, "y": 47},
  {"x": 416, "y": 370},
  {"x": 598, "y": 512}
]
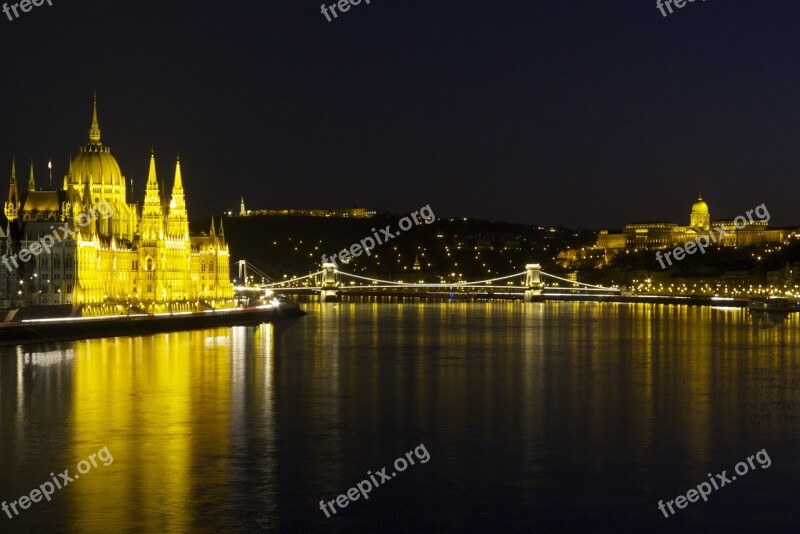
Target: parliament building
[{"x": 134, "y": 259}]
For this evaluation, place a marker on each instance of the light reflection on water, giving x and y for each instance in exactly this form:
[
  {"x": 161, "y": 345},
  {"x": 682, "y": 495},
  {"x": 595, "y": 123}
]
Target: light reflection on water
[{"x": 557, "y": 415}]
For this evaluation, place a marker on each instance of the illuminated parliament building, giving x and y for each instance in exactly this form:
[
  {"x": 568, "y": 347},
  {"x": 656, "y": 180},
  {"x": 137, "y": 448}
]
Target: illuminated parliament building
[{"x": 132, "y": 259}]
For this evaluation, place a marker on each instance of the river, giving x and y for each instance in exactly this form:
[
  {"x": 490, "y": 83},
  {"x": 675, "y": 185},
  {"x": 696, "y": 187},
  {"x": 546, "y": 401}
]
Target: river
[{"x": 529, "y": 418}]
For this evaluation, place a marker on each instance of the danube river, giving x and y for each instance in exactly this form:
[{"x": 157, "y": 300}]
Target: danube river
[{"x": 517, "y": 418}]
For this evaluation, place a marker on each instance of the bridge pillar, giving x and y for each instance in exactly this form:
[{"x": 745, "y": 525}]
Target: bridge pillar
[
  {"x": 243, "y": 271},
  {"x": 533, "y": 283},
  {"x": 329, "y": 292}
]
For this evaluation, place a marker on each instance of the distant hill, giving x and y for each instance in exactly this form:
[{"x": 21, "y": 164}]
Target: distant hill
[{"x": 294, "y": 245}]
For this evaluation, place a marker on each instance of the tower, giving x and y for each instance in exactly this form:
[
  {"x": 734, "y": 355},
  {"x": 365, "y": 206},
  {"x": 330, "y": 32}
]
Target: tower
[
  {"x": 12, "y": 205},
  {"x": 177, "y": 217},
  {"x": 94, "y": 129},
  {"x": 178, "y": 248},
  {"x": 31, "y": 180},
  {"x": 152, "y": 225}
]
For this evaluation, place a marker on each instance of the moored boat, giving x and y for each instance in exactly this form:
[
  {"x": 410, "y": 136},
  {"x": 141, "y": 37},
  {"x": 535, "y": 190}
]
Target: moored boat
[{"x": 773, "y": 305}]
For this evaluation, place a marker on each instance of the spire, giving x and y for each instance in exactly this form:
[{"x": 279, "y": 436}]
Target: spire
[
  {"x": 221, "y": 231},
  {"x": 177, "y": 204},
  {"x": 94, "y": 131},
  {"x": 177, "y": 218},
  {"x": 11, "y": 208},
  {"x": 213, "y": 230},
  {"x": 151, "y": 177},
  {"x": 152, "y": 220},
  {"x": 178, "y": 187},
  {"x": 31, "y": 181}
]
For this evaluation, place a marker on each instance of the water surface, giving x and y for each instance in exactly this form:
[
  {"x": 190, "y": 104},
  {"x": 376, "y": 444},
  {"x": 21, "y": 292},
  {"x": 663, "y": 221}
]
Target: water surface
[{"x": 536, "y": 417}]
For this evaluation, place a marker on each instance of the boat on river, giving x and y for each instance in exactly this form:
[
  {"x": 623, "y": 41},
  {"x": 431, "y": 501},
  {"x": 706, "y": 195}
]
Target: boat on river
[{"x": 773, "y": 305}]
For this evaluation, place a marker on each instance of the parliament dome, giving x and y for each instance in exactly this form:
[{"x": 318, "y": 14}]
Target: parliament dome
[{"x": 94, "y": 163}]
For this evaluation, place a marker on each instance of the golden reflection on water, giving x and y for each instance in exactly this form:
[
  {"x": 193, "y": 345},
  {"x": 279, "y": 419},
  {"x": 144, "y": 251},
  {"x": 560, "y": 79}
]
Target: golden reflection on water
[
  {"x": 602, "y": 377},
  {"x": 190, "y": 418},
  {"x": 169, "y": 408}
]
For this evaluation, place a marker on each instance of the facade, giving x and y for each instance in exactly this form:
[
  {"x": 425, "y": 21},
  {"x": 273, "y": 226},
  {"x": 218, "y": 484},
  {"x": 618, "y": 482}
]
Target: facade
[
  {"x": 356, "y": 213},
  {"x": 663, "y": 235},
  {"x": 132, "y": 258}
]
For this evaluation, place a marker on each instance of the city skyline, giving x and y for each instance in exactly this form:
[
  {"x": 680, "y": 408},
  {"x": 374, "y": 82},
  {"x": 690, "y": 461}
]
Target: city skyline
[{"x": 504, "y": 120}]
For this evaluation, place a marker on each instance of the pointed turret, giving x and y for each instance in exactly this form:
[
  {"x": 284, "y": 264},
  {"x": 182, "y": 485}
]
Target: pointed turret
[
  {"x": 178, "y": 187},
  {"x": 94, "y": 131},
  {"x": 13, "y": 204},
  {"x": 152, "y": 213},
  {"x": 177, "y": 217},
  {"x": 221, "y": 231},
  {"x": 151, "y": 175},
  {"x": 31, "y": 180},
  {"x": 213, "y": 232}
]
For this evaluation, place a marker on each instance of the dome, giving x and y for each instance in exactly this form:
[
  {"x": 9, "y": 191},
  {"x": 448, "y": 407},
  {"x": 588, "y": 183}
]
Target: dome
[
  {"x": 96, "y": 165},
  {"x": 699, "y": 206}
]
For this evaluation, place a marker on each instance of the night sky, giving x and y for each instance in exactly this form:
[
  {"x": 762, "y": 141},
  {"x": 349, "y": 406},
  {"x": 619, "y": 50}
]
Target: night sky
[{"x": 584, "y": 113}]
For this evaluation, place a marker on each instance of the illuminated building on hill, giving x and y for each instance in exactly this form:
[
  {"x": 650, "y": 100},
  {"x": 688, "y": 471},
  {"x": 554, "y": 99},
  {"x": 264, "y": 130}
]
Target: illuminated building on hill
[{"x": 664, "y": 235}]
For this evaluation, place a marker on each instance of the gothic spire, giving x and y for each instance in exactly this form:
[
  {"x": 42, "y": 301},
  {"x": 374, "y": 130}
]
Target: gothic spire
[
  {"x": 31, "y": 180},
  {"x": 94, "y": 131}
]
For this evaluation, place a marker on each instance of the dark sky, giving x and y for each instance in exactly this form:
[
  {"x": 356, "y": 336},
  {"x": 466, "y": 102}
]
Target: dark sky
[{"x": 584, "y": 113}]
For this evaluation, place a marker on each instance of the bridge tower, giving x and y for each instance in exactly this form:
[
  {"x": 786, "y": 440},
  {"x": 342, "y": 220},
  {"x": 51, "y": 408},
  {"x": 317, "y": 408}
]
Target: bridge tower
[
  {"x": 243, "y": 271},
  {"x": 533, "y": 282},
  {"x": 329, "y": 292}
]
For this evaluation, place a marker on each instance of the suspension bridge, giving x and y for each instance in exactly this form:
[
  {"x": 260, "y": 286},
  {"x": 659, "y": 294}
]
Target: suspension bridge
[{"x": 331, "y": 284}]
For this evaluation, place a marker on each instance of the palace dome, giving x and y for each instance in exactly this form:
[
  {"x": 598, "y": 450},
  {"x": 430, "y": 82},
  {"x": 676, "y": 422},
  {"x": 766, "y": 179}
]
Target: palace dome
[{"x": 699, "y": 206}]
